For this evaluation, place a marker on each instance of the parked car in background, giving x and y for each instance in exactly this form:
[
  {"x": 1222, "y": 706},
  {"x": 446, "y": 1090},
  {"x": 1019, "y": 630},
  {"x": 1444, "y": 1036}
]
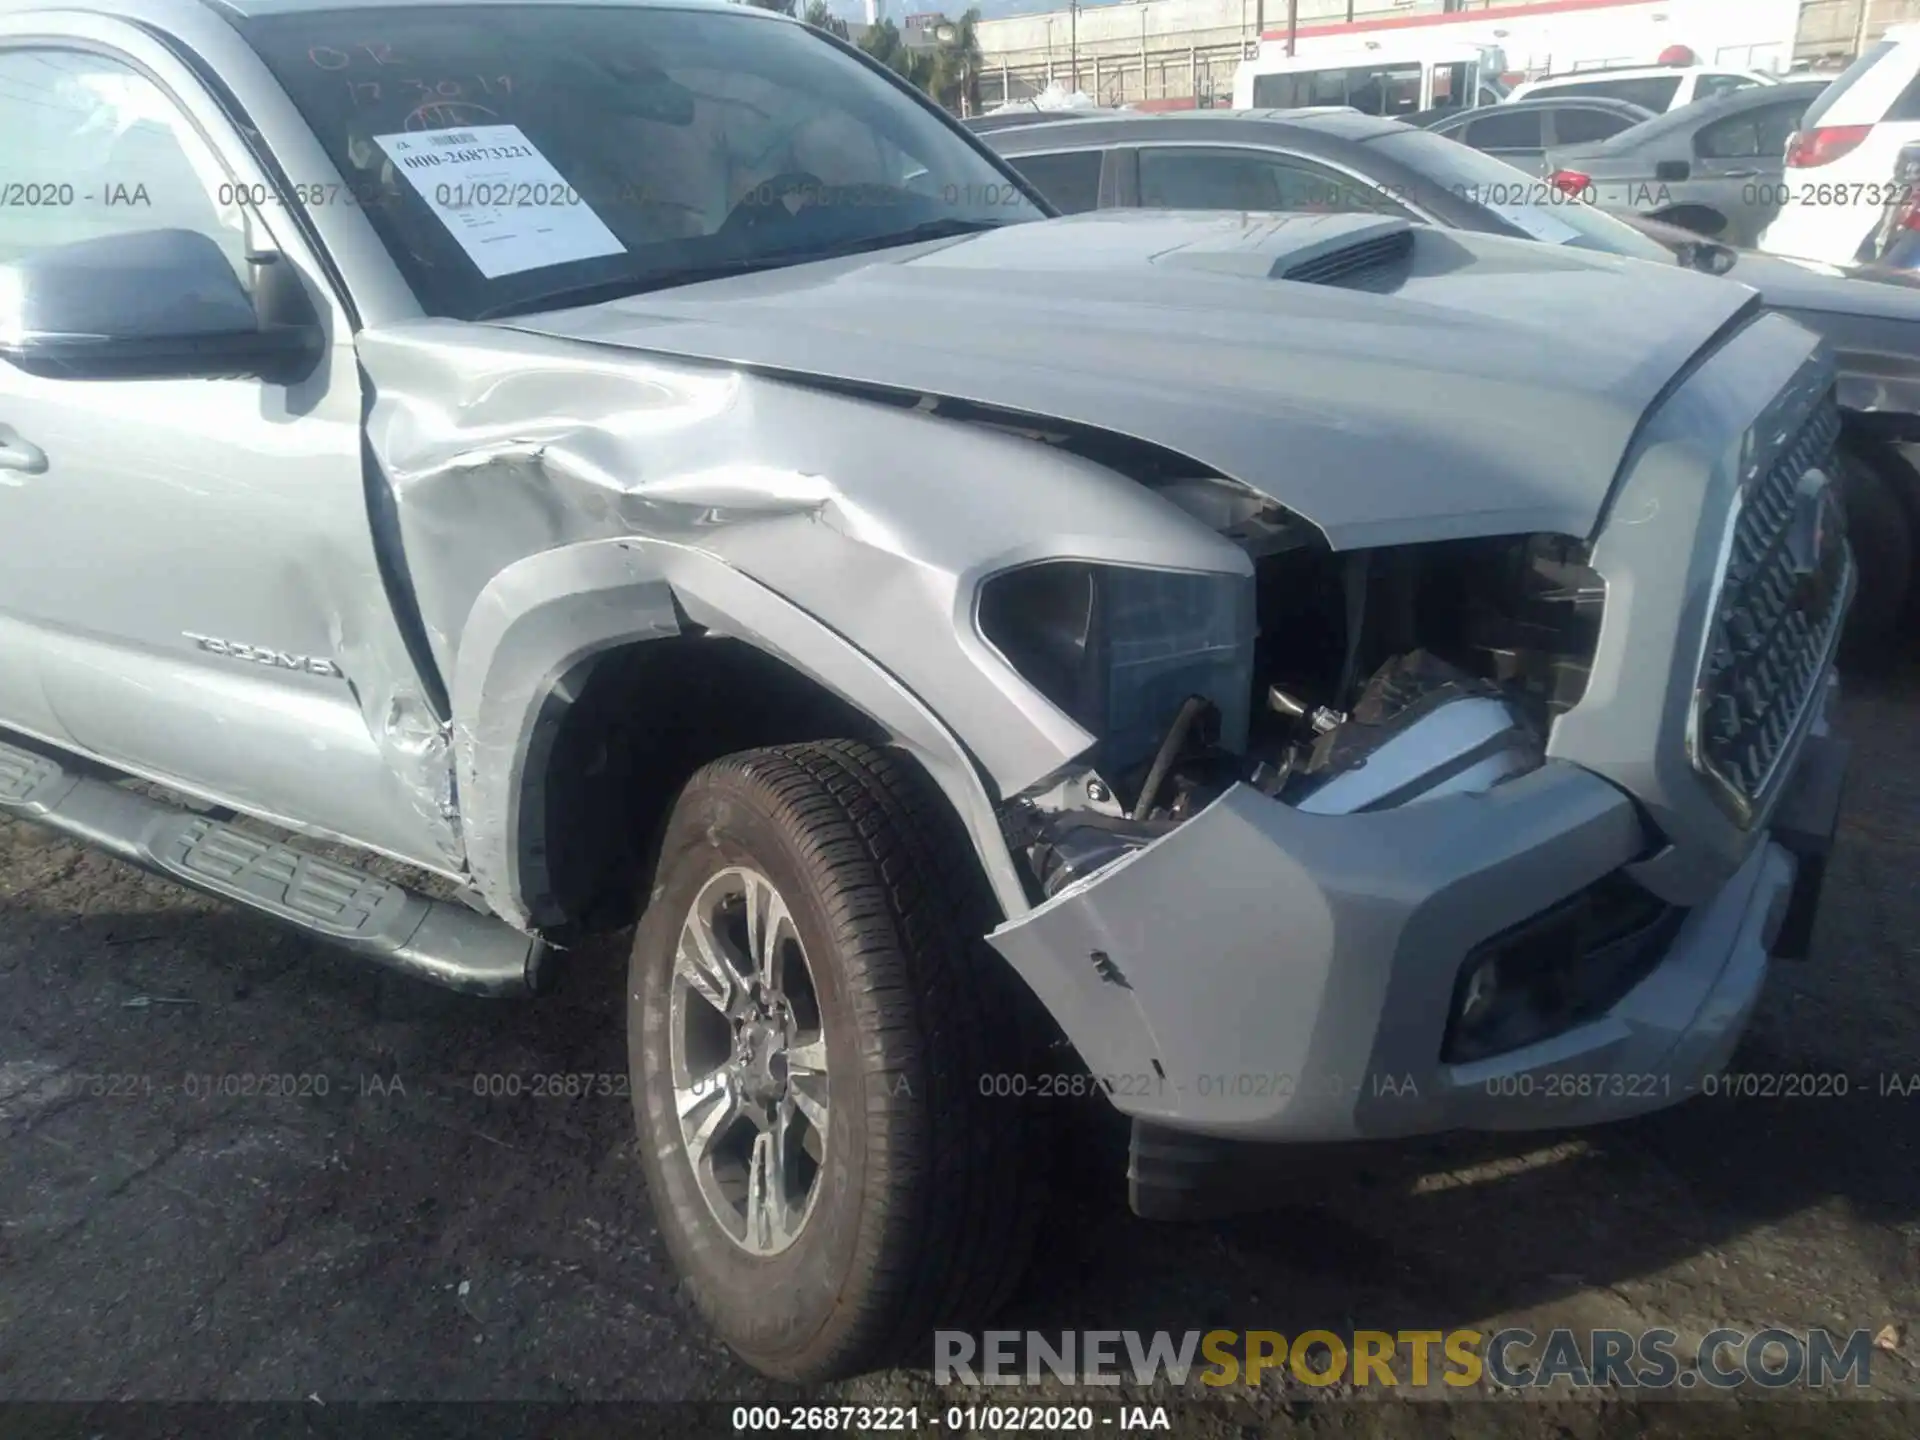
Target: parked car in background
[
  {"x": 1714, "y": 167},
  {"x": 1001, "y": 119},
  {"x": 1896, "y": 242},
  {"x": 1840, "y": 167},
  {"x": 1656, "y": 87},
  {"x": 1521, "y": 132},
  {"x": 1342, "y": 161}
]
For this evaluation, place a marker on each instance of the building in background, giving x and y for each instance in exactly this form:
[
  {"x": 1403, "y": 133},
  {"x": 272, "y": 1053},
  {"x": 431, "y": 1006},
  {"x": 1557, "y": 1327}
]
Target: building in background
[
  {"x": 921, "y": 31},
  {"x": 1168, "y": 54},
  {"x": 1832, "y": 32}
]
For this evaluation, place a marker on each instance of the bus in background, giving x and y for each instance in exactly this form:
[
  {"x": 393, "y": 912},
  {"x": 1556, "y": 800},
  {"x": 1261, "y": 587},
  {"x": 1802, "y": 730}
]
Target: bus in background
[{"x": 1400, "y": 82}]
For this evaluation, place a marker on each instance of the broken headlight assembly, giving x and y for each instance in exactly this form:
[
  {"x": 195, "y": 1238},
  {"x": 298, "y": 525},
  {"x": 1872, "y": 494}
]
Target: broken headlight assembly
[
  {"x": 1120, "y": 649},
  {"x": 1336, "y": 683}
]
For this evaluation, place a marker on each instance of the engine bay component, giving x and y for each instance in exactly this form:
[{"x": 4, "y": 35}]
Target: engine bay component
[
  {"x": 1422, "y": 729},
  {"x": 1074, "y": 846},
  {"x": 1170, "y": 747},
  {"x": 1119, "y": 648},
  {"x": 1378, "y": 679}
]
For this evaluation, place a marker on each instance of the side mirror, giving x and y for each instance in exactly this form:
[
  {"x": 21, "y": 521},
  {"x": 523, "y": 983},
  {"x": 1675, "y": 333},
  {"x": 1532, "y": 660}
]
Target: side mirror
[
  {"x": 1672, "y": 170},
  {"x": 148, "y": 305}
]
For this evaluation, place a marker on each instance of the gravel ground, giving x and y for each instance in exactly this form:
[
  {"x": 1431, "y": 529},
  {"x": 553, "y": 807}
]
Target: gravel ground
[{"x": 402, "y": 1236}]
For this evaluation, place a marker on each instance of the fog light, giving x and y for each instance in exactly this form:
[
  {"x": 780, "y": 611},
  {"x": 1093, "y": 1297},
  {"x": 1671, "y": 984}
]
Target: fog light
[
  {"x": 1565, "y": 966},
  {"x": 1477, "y": 996}
]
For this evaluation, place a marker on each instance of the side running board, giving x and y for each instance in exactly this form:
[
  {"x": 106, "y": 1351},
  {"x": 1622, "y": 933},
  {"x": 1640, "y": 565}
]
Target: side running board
[{"x": 435, "y": 940}]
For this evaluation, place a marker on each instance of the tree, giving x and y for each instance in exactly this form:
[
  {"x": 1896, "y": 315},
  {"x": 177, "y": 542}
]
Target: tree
[
  {"x": 954, "y": 80},
  {"x": 948, "y": 70},
  {"x": 885, "y": 43},
  {"x": 821, "y": 18}
]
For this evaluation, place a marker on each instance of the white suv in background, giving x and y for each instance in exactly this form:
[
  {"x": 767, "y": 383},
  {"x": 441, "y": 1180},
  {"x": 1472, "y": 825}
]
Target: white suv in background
[
  {"x": 1658, "y": 88},
  {"x": 1840, "y": 167}
]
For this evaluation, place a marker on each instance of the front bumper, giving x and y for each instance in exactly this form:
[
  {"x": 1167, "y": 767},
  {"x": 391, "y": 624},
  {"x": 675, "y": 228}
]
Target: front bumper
[{"x": 1261, "y": 974}]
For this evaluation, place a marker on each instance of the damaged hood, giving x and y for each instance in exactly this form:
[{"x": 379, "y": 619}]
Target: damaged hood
[{"x": 1438, "y": 385}]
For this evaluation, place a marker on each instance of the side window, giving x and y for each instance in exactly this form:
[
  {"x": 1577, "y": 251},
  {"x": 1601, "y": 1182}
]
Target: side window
[
  {"x": 1185, "y": 178},
  {"x": 1385, "y": 92},
  {"x": 1506, "y": 130},
  {"x": 1655, "y": 92},
  {"x": 1735, "y": 138},
  {"x": 1907, "y": 107},
  {"x": 1778, "y": 125},
  {"x": 1070, "y": 179},
  {"x": 1577, "y": 126},
  {"x": 1451, "y": 84},
  {"x": 95, "y": 148}
]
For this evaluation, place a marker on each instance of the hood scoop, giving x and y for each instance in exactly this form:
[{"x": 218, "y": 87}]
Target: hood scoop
[
  {"x": 1336, "y": 249},
  {"x": 1355, "y": 260}
]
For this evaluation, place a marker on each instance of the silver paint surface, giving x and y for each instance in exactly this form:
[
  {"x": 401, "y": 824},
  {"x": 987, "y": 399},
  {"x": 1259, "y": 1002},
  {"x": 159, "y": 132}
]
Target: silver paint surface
[
  {"x": 1493, "y": 391},
  {"x": 572, "y": 482}
]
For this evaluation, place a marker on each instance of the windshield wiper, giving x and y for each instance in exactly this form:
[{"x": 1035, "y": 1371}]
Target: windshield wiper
[
  {"x": 570, "y": 296},
  {"x": 946, "y": 229}
]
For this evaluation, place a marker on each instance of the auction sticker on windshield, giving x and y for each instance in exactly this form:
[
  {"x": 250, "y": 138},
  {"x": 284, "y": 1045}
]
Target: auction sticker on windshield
[{"x": 470, "y": 178}]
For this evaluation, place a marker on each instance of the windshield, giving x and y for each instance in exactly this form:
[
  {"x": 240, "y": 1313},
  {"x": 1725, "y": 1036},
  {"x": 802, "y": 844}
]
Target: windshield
[
  {"x": 1650, "y": 92},
  {"x": 521, "y": 156},
  {"x": 1525, "y": 204}
]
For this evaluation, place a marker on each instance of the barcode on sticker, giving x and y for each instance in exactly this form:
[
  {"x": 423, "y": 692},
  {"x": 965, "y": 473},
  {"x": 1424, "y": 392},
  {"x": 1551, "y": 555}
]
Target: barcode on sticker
[{"x": 458, "y": 137}]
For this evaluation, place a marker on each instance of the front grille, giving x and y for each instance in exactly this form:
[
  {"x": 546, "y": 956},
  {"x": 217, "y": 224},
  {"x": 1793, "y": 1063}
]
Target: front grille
[{"x": 1781, "y": 600}]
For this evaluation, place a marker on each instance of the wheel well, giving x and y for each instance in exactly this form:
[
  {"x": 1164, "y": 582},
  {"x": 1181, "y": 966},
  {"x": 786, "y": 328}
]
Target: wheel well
[{"x": 623, "y": 739}]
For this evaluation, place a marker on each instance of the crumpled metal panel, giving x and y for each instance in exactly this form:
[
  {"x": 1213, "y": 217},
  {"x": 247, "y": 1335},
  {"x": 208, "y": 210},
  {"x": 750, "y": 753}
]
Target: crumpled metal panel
[
  {"x": 516, "y": 462},
  {"x": 1493, "y": 390},
  {"x": 1258, "y": 971}
]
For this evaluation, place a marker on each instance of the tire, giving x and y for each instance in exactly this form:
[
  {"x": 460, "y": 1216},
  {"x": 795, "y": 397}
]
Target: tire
[
  {"x": 1881, "y": 532},
  {"x": 925, "y": 1190}
]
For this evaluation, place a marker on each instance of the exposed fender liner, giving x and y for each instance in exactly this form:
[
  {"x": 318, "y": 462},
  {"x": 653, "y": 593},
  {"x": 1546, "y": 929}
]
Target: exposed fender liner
[{"x": 539, "y": 619}]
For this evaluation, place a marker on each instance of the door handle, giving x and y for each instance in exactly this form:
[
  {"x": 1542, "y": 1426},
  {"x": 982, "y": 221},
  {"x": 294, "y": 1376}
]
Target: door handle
[
  {"x": 1738, "y": 174},
  {"x": 20, "y": 455}
]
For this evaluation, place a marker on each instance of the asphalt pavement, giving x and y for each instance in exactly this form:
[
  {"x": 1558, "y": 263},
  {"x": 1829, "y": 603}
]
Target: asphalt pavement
[{"x": 237, "y": 1166}]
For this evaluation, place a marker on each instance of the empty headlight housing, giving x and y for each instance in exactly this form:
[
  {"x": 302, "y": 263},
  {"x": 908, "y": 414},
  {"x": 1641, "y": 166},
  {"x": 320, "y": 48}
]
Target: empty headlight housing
[{"x": 1119, "y": 648}]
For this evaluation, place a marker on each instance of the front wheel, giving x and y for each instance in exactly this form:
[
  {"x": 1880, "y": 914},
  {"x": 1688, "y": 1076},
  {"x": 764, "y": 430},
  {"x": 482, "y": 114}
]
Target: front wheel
[{"x": 812, "y": 1031}]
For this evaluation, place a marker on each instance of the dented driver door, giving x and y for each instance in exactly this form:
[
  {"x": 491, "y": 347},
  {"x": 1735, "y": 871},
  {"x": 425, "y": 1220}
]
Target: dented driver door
[{"x": 190, "y": 589}]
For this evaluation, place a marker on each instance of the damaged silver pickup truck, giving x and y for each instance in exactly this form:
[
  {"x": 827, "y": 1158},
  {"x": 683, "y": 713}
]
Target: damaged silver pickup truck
[{"x": 644, "y": 460}]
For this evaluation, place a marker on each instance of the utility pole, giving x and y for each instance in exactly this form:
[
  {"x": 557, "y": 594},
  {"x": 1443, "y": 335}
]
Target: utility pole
[
  {"x": 1073, "y": 45},
  {"x": 1866, "y": 20},
  {"x": 1143, "y": 55},
  {"x": 1293, "y": 26}
]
